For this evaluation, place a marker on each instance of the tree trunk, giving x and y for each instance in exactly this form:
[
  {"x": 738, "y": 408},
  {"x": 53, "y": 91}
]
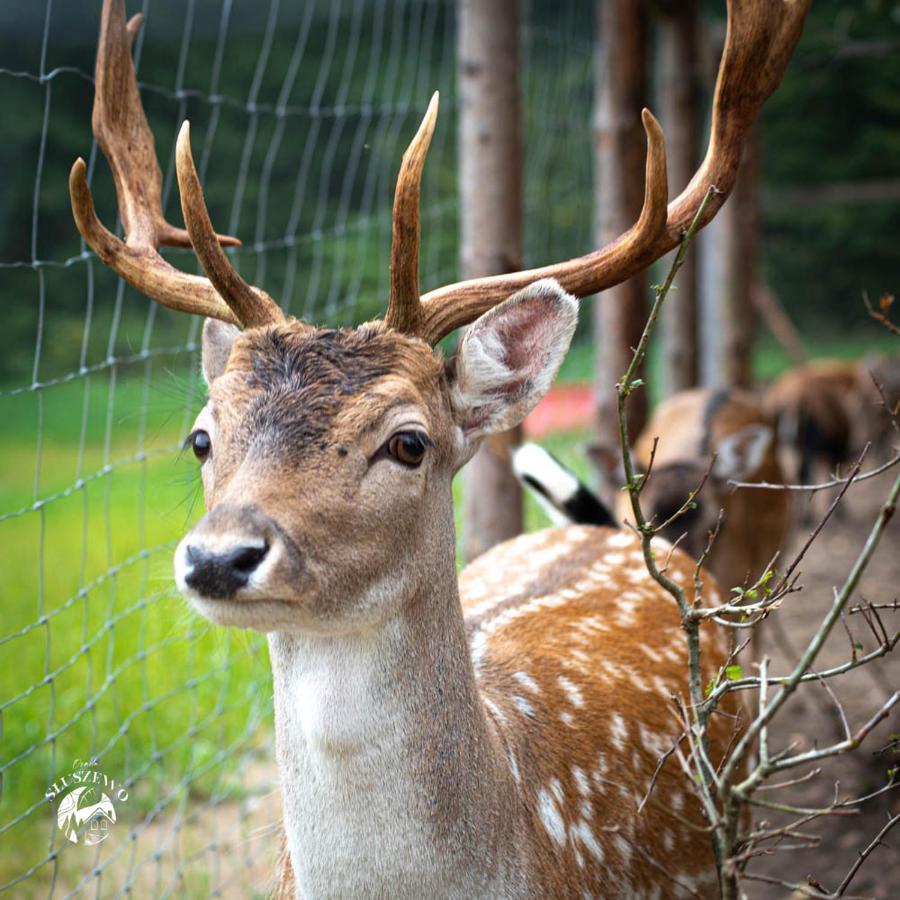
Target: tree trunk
[
  {"x": 619, "y": 154},
  {"x": 679, "y": 99},
  {"x": 490, "y": 163},
  {"x": 729, "y": 280}
]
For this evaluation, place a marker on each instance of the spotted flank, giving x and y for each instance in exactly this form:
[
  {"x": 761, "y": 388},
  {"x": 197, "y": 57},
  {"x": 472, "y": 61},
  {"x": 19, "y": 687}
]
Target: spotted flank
[{"x": 578, "y": 662}]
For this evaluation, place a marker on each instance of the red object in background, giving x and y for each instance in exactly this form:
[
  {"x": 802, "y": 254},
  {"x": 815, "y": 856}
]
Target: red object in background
[{"x": 565, "y": 407}]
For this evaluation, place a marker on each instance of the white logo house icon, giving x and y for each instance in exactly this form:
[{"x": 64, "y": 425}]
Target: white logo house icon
[
  {"x": 85, "y": 812},
  {"x": 88, "y": 812}
]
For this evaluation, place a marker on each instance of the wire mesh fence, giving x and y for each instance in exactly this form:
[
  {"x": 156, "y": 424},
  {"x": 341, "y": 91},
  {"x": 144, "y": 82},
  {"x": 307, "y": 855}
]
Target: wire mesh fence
[{"x": 299, "y": 113}]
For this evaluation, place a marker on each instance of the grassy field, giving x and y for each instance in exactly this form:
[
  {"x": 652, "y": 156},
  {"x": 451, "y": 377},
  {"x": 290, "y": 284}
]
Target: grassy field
[{"x": 98, "y": 657}]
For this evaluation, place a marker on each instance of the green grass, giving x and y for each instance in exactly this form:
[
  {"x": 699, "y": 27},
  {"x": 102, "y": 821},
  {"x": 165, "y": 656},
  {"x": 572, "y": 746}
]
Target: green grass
[{"x": 98, "y": 657}]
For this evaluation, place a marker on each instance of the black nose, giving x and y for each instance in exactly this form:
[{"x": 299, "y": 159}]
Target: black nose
[{"x": 220, "y": 575}]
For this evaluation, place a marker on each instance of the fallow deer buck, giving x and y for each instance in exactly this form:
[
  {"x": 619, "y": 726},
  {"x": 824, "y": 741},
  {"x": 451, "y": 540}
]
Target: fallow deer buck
[{"x": 425, "y": 751}]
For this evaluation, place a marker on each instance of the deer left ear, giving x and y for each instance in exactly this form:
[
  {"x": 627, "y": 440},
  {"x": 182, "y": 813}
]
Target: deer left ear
[
  {"x": 740, "y": 455},
  {"x": 216, "y": 347},
  {"x": 508, "y": 358}
]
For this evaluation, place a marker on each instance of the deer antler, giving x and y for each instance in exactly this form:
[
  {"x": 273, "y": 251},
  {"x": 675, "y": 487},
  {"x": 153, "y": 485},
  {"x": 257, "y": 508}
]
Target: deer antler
[
  {"x": 121, "y": 129},
  {"x": 404, "y": 309},
  {"x": 759, "y": 41}
]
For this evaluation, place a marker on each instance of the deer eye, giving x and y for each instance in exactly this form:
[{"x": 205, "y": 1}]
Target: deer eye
[
  {"x": 408, "y": 447},
  {"x": 200, "y": 443}
]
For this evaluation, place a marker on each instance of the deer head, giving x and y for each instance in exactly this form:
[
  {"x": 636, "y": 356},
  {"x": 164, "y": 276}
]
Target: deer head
[
  {"x": 355, "y": 433},
  {"x": 325, "y": 455}
]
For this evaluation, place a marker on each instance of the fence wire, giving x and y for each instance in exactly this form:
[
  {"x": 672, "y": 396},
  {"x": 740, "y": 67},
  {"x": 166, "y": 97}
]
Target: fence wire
[{"x": 299, "y": 114}]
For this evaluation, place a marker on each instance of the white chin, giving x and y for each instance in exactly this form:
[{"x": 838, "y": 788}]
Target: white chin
[{"x": 260, "y": 615}]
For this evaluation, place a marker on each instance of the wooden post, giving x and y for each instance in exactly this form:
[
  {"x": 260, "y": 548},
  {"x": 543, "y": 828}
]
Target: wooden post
[
  {"x": 490, "y": 165},
  {"x": 619, "y": 154},
  {"x": 678, "y": 79}
]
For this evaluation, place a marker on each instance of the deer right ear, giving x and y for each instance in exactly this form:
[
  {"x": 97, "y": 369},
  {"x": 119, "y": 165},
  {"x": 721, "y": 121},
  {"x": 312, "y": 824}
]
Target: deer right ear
[
  {"x": 508, "y": 358},
  {"x": 217, "y": 340}
]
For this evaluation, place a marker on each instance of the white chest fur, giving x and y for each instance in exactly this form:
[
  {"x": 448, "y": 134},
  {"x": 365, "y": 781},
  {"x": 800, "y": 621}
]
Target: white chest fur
[{"x": 363, "y": 815}]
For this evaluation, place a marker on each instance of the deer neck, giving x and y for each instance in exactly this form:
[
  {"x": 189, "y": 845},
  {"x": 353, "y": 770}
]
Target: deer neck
[{"x": 392, "y": 779}]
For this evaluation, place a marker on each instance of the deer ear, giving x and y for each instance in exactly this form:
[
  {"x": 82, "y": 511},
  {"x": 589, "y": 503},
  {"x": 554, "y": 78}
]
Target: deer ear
[
  {"x": 740, "y": 455},
  {"x": 508, "y": 358},
  {"x": 216, "y": 347},
  {"x": 607, "y": 461}
]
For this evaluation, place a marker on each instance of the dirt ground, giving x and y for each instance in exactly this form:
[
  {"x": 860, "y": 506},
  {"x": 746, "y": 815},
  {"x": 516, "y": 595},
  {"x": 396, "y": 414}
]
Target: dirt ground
[{"x": 809, "y": 720}]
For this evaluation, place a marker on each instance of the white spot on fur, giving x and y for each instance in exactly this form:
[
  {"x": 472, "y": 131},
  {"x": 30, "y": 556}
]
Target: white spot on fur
[
  {"x": 581, "y": 781},
  {"x": 524, "y": 706},
  {"x": 651, "y": 741},
  {"x": 557, "y": 790},
  {"x": 571, "y": 690},
  {"x": 478, "y": 649},
  {"x": 551, "y": 817},
  {"x": 587, "y": 837},
  {"x": 623, "y": 847},
  {"x": 567, "y": 718},
  {"x": 527, "y": 682},
  {"x": 513, "y": 767},
  {"x": 602, "y": 764},
  {"x": 618, "y": 731},
  {"x": 621, "y": 539}
]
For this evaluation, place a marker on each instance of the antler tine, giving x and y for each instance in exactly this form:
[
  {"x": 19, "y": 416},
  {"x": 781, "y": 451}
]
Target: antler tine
[
  {"x": 251, "y": 305},
  {"x": 451, "y": 307},
  {"x": 404, "y": 310},
  {"x": 141, "y": 266},
  {"x": 759, "y": 42},
  {"x": 121, "y": 129}
]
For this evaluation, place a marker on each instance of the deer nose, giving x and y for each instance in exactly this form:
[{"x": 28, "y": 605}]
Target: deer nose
[{"x": 222, "y": 573}]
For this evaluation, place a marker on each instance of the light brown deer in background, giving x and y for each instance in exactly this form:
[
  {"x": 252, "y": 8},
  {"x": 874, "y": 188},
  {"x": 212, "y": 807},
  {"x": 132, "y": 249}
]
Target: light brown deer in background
[
  {"x": 711, "y": 437},
  {"x": 487, "y": 735}
]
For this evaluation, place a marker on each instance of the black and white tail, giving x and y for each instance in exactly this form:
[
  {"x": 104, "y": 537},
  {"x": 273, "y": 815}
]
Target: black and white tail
[{"x": 564, "y": 498}]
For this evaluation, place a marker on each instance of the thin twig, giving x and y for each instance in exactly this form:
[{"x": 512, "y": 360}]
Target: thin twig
[
  {"x": 880, "y": 317},
  {"x": 864, "y": 855},
  {"x": 814, "y": 646},
  {"x": 813, "y": 488},
  {"x": 659, "y": 767}
]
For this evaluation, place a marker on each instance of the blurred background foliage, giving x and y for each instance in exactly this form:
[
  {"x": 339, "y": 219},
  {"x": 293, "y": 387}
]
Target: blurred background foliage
[
  {"x": 832, "y": 128},
  {"x": 299, "y": 118}
]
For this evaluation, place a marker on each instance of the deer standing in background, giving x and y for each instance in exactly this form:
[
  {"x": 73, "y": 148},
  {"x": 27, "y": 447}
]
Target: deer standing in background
[
  {"x": 828, "y": 409},
  {"x": 719, "y": 436},
  {"x": 487, "y": 735}
]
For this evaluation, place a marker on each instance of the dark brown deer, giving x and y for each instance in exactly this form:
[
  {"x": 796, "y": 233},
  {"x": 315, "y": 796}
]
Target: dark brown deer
[
  {"x": 486, "y": 735},
  {"x": 828, "y": 409}
]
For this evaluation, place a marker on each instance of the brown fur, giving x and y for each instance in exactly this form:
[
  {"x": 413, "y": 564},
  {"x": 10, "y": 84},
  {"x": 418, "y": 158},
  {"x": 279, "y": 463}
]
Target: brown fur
[{"x": 594, "y": 757}]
